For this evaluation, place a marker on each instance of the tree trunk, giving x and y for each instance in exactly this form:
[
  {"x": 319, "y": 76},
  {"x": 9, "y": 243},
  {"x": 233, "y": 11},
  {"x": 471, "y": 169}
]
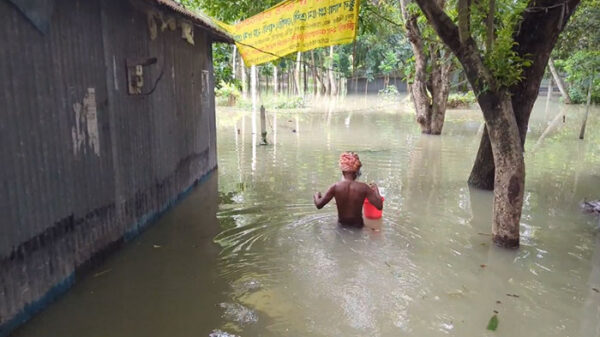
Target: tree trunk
[
  {"x": 366, "y": 86},
  {"x": 483, "y": 171},
  {"x": 233, "y": 54},
  {"x": 509, "y": 179},
  {"x": 266, "y": 84},
  {"x": 275, "y": 81},
  {"x": 548, "y": 97},
  {"x": 253, "y": 80},
  {"x": 305, "y": 80},
  {"x": 440, "y": 85},
  {"x": 490, "y": 25},
  {"x": 297, "y": 73},
  {"x": 535, "y": 39},
  {"x": 317, "y": 84},
  {"x": 418, "y": 89},
  {"x": 559, "y": 82},
  {"x": 244, "y": 80},
  {"x": 326, "y": 83},
  {"x": 332, "y": 86}
]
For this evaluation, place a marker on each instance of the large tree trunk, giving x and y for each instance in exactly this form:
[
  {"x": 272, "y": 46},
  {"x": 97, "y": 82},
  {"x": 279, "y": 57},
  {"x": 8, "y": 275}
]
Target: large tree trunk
[
  {"x": 509, "y": 178},
  {"x": 506, "y": 118},
  {"x": 440, "y": 89},
  {"x": 535, "y": 40},
  {"x": 559, "y": 82},
  {"x": 483, "y": 171},
  {"x": 418, "y": 89}
]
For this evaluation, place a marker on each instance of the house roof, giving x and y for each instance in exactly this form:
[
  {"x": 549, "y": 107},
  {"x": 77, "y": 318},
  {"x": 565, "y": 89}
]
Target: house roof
[{"x": 197, "y": 18}]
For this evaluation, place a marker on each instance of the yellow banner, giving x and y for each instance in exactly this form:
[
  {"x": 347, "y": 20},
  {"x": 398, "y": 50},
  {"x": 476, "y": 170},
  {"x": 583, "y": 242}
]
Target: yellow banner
[{"x": 294, "y": 25}]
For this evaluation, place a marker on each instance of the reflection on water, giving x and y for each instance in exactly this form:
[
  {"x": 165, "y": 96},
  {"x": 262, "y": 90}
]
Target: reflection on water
[
  {"x": 428, "y": 267},
  {"x": 275, "y": 266}
]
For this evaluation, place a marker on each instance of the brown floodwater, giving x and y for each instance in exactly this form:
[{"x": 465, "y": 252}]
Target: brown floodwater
[{"x": 248, "y": 254}]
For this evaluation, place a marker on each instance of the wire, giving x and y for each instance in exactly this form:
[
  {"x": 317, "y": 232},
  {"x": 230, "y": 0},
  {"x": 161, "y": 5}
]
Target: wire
[
  {"x": 384, "y": 18},
  {"x": 280, "y": 56},
  {"x": 162, "y": 71},
  {"x": 546, "y": 8}
]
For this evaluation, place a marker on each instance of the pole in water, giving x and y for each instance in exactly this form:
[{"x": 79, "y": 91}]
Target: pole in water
[
  {"x": 263, "y": 125},
  {"x": 587, "y": 107}
]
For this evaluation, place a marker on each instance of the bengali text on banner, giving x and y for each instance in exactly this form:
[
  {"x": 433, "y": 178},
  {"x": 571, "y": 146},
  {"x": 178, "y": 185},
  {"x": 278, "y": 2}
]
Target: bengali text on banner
[{"x": 294, "y": 25}]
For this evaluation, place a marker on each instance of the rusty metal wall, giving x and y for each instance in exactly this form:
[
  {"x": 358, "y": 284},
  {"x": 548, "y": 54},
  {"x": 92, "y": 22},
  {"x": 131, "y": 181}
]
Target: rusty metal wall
[{"x": 83, "y": 165}]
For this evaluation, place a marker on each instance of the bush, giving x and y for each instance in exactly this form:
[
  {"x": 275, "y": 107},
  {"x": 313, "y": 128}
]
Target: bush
[
  {"x": 227, "y": 93},
  {"x": 579, "y": 67},
  {"x": 460, "y": 100},
  {"x": 289, "y": 102},
  {"x": 276, "y": 102},
  {"x": 390, "y": 93}
]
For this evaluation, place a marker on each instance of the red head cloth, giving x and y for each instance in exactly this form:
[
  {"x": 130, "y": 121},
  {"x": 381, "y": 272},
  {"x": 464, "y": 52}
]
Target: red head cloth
[{"x": 349, "y": 162}]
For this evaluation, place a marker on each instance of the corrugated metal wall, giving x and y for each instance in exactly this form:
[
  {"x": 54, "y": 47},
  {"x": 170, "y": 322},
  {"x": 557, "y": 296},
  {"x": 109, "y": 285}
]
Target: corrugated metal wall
[
  {"x": 357, "y": 87},
  {"x": 72, "y": 187}
]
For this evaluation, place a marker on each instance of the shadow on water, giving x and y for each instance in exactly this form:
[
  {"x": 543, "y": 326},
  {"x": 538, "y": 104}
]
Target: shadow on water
[{"x": 265, "y": 262}]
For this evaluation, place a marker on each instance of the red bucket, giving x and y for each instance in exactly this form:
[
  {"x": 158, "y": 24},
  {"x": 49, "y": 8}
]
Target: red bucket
[{"x": 370, "y": 211}]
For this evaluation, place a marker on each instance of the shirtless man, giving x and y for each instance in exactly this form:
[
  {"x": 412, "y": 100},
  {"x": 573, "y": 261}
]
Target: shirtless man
[{"x": 350, "y": 194}]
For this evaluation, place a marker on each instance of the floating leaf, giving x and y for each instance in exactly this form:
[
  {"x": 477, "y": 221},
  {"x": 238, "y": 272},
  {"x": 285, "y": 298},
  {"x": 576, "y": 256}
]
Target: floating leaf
[{"x": 493, "y": 323}]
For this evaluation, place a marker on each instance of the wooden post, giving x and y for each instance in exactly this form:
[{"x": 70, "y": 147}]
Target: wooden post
[
  {"x": 263, "y": 125},
  {"x": 559, "y": 82},
  {"x": 548, "y": 96},
  {"x": 587, "y": 107}
]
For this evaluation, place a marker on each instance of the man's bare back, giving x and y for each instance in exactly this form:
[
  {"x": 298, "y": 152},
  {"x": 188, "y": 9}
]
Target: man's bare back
[{"x": 349, "y": 196}]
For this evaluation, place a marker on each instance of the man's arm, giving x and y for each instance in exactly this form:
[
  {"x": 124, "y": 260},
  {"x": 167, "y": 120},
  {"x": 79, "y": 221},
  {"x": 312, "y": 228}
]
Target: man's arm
[
  {"x": 374, "y": 197},
  {"x": 321, "y": 201}
]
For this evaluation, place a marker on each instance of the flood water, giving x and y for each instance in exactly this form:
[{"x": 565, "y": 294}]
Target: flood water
[{"x": 248, "y": 254}]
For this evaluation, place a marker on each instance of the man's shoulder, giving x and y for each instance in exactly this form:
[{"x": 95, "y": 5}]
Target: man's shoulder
[{"x": 360, "y": 184}]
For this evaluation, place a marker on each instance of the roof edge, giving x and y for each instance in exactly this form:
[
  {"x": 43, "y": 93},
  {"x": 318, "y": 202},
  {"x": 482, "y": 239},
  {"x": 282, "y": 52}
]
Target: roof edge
[{"x": 219, "y": 34}]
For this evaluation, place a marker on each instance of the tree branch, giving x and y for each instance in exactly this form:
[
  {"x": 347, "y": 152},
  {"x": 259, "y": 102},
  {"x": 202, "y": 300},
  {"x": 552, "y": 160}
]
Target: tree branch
[
  {"x": 538, "y": 32},
  {"x": 442, "y": 24},
  {"x": 464, "y": 20},
  {"x": 466, "y": 51},
  {"x": 490, "y": 25}
]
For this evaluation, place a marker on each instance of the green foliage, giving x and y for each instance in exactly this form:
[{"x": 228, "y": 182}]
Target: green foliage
[
  {"x": 582, "y": 32},
  {"x": 504, "y": 63},
  {"x": 461, "y": 100},
  {"x": 580, "y": 68},
  {"x": 230, "y": 11},
  {"x": 576, "y": 51},
  {"x": 290, "y": 103},
  {"x": 227, "y": 93},
  {"x": 389, "y": 94},
  {"x": 222, "y": 63},
  {"x": 277, "y": 102},
  {"x": 389, "y": 63}
]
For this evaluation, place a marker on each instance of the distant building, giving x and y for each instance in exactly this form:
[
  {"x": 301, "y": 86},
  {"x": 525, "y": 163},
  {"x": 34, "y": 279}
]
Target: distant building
[{"x": 107, "y": 117}]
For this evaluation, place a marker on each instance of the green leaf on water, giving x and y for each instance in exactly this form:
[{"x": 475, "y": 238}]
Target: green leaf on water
[{"x": 493, "y": 323}]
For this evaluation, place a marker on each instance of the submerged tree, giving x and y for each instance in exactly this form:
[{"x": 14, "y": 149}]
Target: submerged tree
[
  {"x": 430, "y": 84},
  {"x": 505, "y": 79}
]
